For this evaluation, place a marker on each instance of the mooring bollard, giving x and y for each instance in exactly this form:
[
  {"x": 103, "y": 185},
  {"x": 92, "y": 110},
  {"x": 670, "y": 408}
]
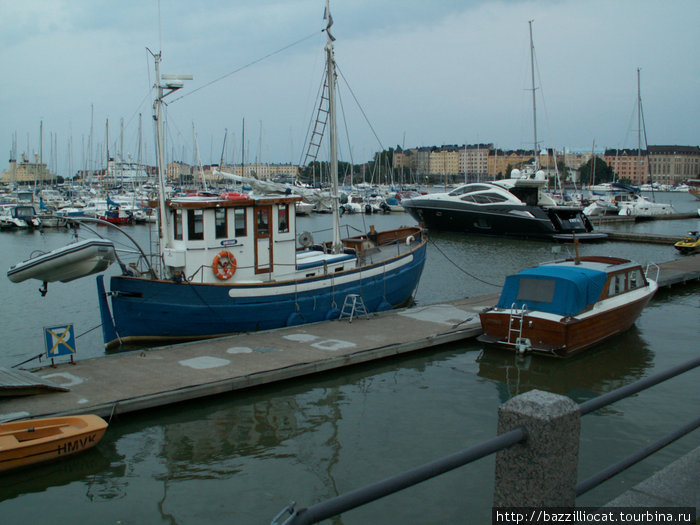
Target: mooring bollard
[{"x": 542, "y": 470}]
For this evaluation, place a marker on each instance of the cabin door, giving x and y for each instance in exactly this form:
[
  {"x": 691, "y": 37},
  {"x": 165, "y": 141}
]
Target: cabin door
[{"x": 263, "y": 239}]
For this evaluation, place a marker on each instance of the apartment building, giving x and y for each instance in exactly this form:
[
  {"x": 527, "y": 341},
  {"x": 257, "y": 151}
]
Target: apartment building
[{"x": 672, "y": 165}]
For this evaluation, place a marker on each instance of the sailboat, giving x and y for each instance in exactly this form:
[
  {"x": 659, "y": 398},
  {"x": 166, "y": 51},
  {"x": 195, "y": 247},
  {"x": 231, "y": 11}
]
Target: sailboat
[
  {"x": 231, "y": 263},
  {"x": 638, "y": 205}
]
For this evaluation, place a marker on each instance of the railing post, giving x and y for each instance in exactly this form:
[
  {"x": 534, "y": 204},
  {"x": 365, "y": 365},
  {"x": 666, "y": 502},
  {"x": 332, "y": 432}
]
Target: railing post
[{"x": 541, "y": 471}]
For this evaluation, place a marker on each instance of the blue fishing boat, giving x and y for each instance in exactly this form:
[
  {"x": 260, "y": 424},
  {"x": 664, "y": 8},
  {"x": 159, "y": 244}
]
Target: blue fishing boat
[{"x": 234, "y": 262}]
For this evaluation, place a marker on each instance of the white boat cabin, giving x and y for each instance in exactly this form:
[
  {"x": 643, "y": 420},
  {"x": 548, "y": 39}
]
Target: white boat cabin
[{"x": 238, "y": 239}]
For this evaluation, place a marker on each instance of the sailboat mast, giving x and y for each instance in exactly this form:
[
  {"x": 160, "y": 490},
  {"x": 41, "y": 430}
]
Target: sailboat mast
[
  {"x": 107, "y": 171},
  {"x": 534, "y": 107},
  {"x": 330, "y": 72},
  {"x": 243, "y": 149},
  {"x": 639, "y": 129},
  {"x": 160, "y": 156}
]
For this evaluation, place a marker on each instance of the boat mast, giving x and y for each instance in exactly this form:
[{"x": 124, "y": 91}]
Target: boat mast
[
  {"x": 591, "y": 181},
  {"x": 640, "y": 123},
  {"x": 337, "y": 246},
  {"x": 174, "y": 82},
  {"x": 534, "y": 108},
  {"x": 107, "y": 172}
]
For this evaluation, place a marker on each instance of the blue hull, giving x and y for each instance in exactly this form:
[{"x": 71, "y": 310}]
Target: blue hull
[{"x": 141, "y": 310}]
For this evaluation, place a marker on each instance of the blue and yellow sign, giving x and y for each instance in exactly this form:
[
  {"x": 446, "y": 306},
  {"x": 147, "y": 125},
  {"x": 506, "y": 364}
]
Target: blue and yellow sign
[{"x": 60, "y": 340}]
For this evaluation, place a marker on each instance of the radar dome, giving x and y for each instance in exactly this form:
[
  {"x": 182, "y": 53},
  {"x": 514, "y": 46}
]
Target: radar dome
[{"x": 540, "y": 175}]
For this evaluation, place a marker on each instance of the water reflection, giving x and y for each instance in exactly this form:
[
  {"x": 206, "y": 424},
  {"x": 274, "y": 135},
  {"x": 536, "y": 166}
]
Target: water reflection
[
  {"x": 619, "y": 361},
  {"x": 85, "y": 468}
]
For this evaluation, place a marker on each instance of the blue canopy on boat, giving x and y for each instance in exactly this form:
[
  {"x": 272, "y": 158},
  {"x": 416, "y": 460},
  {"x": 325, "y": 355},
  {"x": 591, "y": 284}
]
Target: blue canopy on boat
[{"x": 560, "y": 290}]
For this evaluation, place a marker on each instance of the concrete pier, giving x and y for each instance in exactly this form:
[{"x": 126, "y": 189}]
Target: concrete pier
[
  {"x": 674, "y": 486},
  {"x": 143, "y": 379},
  {"x": 648, "y": 238}
]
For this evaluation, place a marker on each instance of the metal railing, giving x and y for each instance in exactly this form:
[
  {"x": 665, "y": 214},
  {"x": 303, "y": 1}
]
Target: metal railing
[{"x": 358, "y": 497}]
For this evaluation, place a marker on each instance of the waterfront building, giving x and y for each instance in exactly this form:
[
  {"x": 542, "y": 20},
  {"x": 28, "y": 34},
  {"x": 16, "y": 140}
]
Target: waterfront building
[
  {"x": 26, "y": 172},
  {"x": 629, "y": 164},
  {"x": 181, "y": 172},
  {"x": 673, "y": 165},
  {"x": 444, "y": 160},
  {"x": 667, "y": 165},
  {"x": 474, "y": 160}
]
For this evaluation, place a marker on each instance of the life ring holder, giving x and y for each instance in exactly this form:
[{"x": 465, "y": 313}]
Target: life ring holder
[{"x": 224, "y": 265}]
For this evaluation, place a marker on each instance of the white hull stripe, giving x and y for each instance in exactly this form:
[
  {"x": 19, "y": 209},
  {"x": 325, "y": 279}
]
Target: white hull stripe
[{"x": 320, "y": 284}]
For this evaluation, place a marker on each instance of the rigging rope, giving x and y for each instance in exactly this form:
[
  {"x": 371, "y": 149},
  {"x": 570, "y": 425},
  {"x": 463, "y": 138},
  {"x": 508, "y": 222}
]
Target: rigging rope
[
  {"x": 273, "y": 53},
  {"x": 459, "y": 267},
  {"x": 359, "y": 106}
]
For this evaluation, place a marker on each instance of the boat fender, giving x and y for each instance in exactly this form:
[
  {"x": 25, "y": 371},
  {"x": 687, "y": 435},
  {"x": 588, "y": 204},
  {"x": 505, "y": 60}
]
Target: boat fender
[
  {"x": 409, "y": 240},
  {"x": 224, "y": 265},
  {"x": 333, "y": 313}
]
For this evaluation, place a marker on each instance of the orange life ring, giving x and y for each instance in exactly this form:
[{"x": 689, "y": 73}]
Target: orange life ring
[{"x": 224, "y": 265}]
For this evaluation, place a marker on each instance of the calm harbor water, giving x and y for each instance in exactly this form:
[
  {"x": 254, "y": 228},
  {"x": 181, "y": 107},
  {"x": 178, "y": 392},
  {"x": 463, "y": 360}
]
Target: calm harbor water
[{"x": 240, "y": 458}]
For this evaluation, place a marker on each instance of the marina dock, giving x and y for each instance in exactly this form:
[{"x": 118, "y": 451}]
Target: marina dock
[
  {"x": 611, "y": 219},
  {"x": 648, "y": 238},
  {"x": 144, "y": 379}
]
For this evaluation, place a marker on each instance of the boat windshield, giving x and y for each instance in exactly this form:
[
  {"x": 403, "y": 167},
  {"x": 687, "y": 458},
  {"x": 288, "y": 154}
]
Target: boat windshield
[
  {"x": 484, "y": 198},
  {"x": 24, "y": 211},
  {"x": 468, "y": 188}
]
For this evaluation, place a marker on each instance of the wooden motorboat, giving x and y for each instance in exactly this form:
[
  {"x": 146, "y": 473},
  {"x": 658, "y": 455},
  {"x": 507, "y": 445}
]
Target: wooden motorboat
[
  {"x": 34, "y": 441},
  {"x": 561, "y": 308},
  {"x": 66, "y": 263}
]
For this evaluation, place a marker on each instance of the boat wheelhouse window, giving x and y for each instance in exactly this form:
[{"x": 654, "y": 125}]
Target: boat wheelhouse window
[
  {"x": 220, "y": 225},
  {"x": 239, "y": 222},
  {"x": 635, "y": 279},
  {"x": 24, "y": 211},
  {"x": 484, "y": 198},
  {"x": 262, "y": 221},
  {"x": 617, "y": 284},
  {"x": 283, "y": 218},
  {"x": 195, "y": 225},
  {"x": 536, "y": 290},
  {"x": 468, "y": 188},
  {"x": 177, "y": 224}
]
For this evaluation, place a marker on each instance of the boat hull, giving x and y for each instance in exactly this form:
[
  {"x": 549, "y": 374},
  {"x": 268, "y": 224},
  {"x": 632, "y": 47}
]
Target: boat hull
[
  {"x": 528, "y": 222},
  {"x": 24, "y": 443},
  {"x": 565, "y": 336},
  {"x": 148, "y": 311}
]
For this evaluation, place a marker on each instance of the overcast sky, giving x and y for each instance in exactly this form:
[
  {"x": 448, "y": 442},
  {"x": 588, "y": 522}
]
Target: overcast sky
[{"x": 424, "y": 73}]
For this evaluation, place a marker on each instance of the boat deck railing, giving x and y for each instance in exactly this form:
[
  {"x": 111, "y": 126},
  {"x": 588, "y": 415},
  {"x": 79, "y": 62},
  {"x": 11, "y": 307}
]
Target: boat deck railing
[
  {"x": 649, "y": 269},
  {"x": 528, "y": 425}
]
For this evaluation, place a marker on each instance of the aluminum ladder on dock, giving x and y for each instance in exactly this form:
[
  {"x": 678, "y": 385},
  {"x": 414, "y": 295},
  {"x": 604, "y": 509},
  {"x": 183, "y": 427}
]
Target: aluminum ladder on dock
[{"x": 353, "y": 306}]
